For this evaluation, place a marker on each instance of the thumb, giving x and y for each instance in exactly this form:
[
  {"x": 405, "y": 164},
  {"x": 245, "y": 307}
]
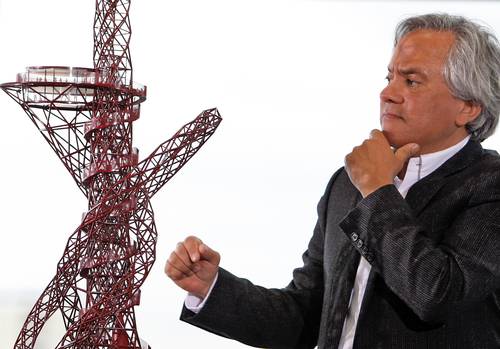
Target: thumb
[
  {"x": 406, "y": 152},
  {"x": 209, "y": 255}
]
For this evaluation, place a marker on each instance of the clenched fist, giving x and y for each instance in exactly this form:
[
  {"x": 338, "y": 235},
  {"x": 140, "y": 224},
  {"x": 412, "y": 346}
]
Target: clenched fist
[{"x": 193, "y": 266}]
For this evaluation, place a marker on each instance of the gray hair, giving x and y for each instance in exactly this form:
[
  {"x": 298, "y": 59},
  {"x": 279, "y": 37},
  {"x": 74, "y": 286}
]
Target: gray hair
[{"x": 472, "y": 69}]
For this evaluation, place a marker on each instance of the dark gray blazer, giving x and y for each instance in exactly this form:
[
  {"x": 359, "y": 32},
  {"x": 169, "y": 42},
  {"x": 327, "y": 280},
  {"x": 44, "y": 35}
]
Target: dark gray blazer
[{"x": 435, "y": 279}]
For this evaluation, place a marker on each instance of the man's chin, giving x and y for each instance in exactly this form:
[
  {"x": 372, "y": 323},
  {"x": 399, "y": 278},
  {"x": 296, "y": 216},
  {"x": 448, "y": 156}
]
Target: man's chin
[{"x": 396, "y": 140}]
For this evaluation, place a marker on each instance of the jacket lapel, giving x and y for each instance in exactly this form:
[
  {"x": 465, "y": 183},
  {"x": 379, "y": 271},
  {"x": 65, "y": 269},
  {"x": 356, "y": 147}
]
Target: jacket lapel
[{"x": 424, "y": 190}]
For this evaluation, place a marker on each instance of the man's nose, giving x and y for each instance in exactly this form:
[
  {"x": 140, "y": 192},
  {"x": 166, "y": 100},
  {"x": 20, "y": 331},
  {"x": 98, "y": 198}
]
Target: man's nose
[{"x": 391, "y": 94}]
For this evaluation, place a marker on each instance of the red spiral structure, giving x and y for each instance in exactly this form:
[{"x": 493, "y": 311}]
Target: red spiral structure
[{"x": 86, "y": 116}]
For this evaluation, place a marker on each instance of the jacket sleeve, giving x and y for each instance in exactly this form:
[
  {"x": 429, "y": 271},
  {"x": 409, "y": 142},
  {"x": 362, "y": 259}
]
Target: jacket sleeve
[
  {"x": 430, "y": 276},
  {"x": 271, "y": 318}
]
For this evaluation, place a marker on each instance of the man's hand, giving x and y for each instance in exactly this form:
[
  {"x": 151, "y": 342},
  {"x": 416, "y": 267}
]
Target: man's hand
[
  {"x": 374, "y": 164},
  {"x": 193, "y": 266}
]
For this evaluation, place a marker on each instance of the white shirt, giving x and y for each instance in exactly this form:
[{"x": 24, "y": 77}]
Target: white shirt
[{"x": 418, "y": 168}]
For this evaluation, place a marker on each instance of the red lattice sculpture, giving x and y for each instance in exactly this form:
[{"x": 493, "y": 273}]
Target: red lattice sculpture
[{"x": 86, "y": 116}]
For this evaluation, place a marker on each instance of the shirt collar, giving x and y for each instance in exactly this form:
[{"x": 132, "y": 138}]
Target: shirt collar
[{"x": 423, "y": 165}]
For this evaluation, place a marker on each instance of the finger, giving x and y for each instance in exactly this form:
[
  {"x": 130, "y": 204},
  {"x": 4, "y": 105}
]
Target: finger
[
  {"x": 407, "y": 151},
  {"x": 180, "y": 265},
  {"x": 175, "y": 269},
  {"x": 173, "y": 272},
  {"x": 181, "y": 257},
  {"x": 192, "y": 244},
  {"x": 374, "y": 134},
  {"x": 379, "y": 136},
  {"x": 209, "y": 255}
]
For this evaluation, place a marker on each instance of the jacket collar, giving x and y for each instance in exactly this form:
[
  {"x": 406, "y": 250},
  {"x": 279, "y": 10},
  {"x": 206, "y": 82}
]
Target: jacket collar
[{"x": 421, "y": 192}]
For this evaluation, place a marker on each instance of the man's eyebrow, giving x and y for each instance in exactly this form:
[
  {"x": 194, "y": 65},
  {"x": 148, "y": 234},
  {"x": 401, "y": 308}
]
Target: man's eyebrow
[{"x": 409, "y": 71}]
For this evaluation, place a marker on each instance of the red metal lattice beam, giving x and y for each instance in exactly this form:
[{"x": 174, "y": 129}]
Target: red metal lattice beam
[{"x": 86, "y": 116}]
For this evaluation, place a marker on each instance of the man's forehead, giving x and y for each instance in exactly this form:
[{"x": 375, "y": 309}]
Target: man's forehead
[
  {"x": 425, "y": 42},
  {"x": 417, "y": 50},
  {"x": 409, "y": 60}
]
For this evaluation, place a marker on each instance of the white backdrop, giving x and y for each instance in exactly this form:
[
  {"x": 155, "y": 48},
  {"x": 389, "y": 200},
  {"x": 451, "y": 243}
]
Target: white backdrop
[{"x": 297, "y": 84}]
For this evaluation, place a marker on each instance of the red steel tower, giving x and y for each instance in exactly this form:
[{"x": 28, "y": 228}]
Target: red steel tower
[{"x": 86, "y": 115}]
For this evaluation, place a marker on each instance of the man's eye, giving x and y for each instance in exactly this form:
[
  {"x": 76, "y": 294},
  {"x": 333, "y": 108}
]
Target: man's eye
[
  {"x": 388, "y": 79},
  {"x": 410, "y": 82}
]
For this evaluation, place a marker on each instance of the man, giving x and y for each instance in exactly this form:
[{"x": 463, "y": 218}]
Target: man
[{"x": 406, "y": 250}]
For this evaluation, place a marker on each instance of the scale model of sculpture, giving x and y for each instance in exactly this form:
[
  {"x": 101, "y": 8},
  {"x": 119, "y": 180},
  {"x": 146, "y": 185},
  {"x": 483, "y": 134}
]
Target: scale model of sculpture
[{"x": 86, "y": 116}]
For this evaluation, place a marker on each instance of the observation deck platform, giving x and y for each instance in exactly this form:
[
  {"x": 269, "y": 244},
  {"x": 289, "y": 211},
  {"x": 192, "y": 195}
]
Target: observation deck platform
[{"x": 70, "y": 88}]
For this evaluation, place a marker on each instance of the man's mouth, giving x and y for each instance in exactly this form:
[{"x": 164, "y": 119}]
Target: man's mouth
[{"x": 387, "y": 115}]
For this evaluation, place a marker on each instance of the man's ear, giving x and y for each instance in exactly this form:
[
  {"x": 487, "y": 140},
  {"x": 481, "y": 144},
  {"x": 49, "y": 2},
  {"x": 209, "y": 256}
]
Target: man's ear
[{"x": 470, "y": 111}]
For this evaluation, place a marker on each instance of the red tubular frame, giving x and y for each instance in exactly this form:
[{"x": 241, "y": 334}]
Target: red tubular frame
[{"x": 86, "y": 116}]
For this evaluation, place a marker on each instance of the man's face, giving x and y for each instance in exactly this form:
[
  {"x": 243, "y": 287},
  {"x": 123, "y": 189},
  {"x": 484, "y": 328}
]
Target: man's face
[{"x": 416, "y": 105}]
